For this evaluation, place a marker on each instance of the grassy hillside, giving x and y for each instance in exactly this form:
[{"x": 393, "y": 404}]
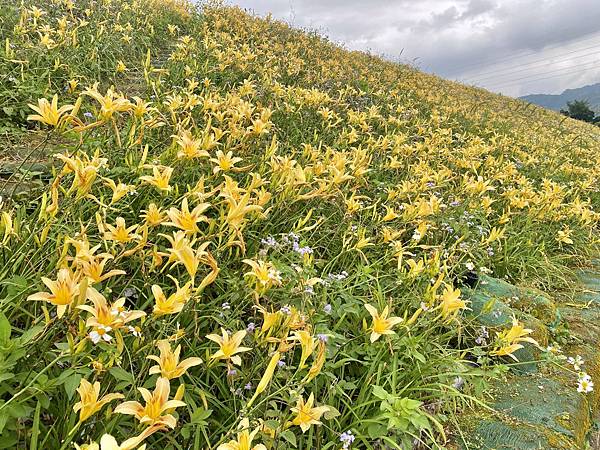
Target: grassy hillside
[{"x": 257, "y": 234}]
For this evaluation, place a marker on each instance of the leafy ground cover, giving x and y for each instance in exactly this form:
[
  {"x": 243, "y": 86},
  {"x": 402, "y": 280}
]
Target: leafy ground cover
[{"x": 219, "y": 232}]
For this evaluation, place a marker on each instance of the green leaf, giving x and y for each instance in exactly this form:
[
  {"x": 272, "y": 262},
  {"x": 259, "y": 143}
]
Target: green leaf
[
  {"x": 376, "y": 430},
  {"x": 420, "y": 422},
  {"x": 200, "y": 415},
  {"x": 31, "y": 334},
  {"x": 121, "y": 375},
  {"x": 331, "y": 413},
  {"x": 8, "y": 440},
  {"x": 71, "y": 383},
  {"x": 380, "y": 393},
  {"x": 5, "y": 330},
  {"x": 289, "y": 436},
  {"x": 3, "y": 419},
  {"x": 35, "y": 429}
]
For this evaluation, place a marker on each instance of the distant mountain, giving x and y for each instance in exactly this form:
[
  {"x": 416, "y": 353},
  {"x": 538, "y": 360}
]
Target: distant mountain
[{"x": 590, "y": 93}]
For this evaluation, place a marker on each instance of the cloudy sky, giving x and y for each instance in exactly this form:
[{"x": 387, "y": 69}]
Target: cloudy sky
[{"x": 516, "y": 47}]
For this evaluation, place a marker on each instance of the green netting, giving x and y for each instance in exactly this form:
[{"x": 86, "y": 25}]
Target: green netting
[
  {"x": 541, "y": 402},
  {"x": 538, "y": 411},
  {"x": 496, "y": 435},
  {"x": 527, "y": 300},
  {"x": 590, "y": 279}
]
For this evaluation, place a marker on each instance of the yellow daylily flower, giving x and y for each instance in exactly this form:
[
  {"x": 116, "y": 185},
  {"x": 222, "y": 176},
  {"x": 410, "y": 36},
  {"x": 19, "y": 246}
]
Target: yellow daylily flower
[
  {"x": 306, "y": 415},
  {"x": 7, "y": 225},
  {"x": 564, "y": 236},
  {"x": 108, "y": 442},
  {"x": 90, "y": 402},
  {"x": 120, "y": 232},
  {"x": 160, "y": 177},
  {"x": 189, "y": 147},
  {"x": 185, "y": 219},
  {"x": 509, "y": 340},
  {"x": 94, "y": 269},
  {"x": 157, "y": 405},
  {"x": 264, "y": 274},
  {"x": 153, "y": 216},
  {"x": 121, "y": 67},
  {"x": 244, "y": 439},
  {"x": 225, "y": 161},
  {"x": 382, "y": 324},
  {"x": 229, "y": 346},
  {"x": 63, "y": 291},
  {"x": 270, "y": 320},
  {"x": 451, "y": 303},
  {"x": 237, "y": 210},
  {"x": 110, "y": 103},
  {"x": 174, "y": 303},
  {"x": 103, "y": 315},
  {"x": 169, "y": 366},
  {"x": 181, "y": 251},
  {"x": 49, "y": 113},
  {"x": 119, "y": 190},
  {"x": 85, "y": 170}
]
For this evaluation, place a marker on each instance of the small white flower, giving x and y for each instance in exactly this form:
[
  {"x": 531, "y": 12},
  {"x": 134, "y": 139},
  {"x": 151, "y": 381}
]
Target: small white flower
[
  {"x": 585, "y": 386},
  {"x": 135, "y": 331},
  {"x": 469, "y": 265},
  {"x": 275, "y": 275},
  {"x": 101, "y": 333},
  {"x": 576, "y": 362}
]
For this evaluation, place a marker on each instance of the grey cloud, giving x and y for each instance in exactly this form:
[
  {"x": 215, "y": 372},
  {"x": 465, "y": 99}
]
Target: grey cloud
[{"x": 453, "y": 38}]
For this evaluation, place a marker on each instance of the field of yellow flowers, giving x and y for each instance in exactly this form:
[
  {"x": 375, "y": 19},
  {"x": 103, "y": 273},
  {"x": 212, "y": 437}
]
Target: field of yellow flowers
[{"x": 240, "y": 236}]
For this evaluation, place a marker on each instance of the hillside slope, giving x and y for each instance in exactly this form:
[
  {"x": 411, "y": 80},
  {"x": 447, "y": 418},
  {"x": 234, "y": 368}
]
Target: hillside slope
[{"x": 234, "y": 231}]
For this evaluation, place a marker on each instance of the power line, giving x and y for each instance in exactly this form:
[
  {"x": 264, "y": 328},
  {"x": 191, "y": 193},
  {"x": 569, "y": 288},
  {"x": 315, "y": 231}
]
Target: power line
[
  {"x": 508, "y": 80},
  {"x": 513, "y": 83},
  {"x": 508, "y": 70},
  {"x": 485, "y": 62}
]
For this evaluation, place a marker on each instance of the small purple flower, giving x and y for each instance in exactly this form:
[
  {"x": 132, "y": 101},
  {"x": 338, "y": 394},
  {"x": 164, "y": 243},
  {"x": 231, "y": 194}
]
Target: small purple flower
[
  {"x": 303, "y": 250},
  {"x": 251, "y": 327},
  {"x": 347, "y": 438},
  {"x": 231, "y": 372},
  {"x": 327, "y": 308},
  {"x": 286, "y": 310},
  {"x": 88, "y": 114},
  {"x": 281, "y": 363},
  {"x": 323, "y": 337},
  {"x": 248, "y": 387},
  {"x": 269, "y": 241}
]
